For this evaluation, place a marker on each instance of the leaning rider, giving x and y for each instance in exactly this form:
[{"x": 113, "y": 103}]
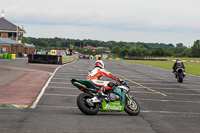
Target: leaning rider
[{"x": 96, "y": 74}]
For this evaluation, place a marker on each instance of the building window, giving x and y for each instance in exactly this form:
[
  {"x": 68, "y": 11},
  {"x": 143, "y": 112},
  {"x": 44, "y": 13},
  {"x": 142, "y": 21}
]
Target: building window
[
  {"x": 9, "y": 35},
  {"x": 12, "y": 35}
]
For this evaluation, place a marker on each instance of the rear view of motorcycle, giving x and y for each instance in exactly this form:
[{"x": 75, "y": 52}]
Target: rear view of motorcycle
[
  {"x": 90, "y": 102},
  {"x": 180, "y": 74}
]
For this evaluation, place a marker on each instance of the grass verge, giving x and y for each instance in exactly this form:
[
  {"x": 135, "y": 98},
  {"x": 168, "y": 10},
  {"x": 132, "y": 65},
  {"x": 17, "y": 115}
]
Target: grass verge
[
  {"x": 191, "y": 68},
  {"x": 67, "y": 59}
]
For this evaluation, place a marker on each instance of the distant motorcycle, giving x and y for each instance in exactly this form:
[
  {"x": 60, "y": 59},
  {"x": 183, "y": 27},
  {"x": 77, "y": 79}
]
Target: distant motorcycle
[
  {"x": 180, "y": 74},
  {"x": 116, "y": 99}
]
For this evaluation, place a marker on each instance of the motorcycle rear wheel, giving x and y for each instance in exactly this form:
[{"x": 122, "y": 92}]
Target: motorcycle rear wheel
[
  {"x": 180, "y": 77},
  {"x": 132, "y": 109},
  {"x": 84, "y": 106}
]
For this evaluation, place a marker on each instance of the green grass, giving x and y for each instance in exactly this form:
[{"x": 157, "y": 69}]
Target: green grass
[
  {"x": 67, "y": 59},
  {"x": 191, "y": 68},
  {"x": 175, "y": 58}
]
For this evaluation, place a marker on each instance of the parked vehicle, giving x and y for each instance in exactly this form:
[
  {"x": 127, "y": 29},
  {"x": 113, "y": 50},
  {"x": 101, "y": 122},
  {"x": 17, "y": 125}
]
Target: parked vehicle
[{"x": 53, "y": 52}]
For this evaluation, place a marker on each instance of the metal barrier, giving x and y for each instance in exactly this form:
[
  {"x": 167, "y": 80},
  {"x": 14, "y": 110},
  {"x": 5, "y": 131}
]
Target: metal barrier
[{"x": 45, "y": 59}]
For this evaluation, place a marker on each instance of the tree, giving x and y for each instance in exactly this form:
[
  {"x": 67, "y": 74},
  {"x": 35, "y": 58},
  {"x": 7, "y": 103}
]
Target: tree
[
  {"x": 109, "y": 44},
  {"x": 158, "y": 51},
  {"x": 139, "y": 52},
  {"x": 180, "y": 50},
  {"x": 132, "y": 52},
  {"x": 128, "y": 46},
  {"x": 196, "y": 49},
  {"x": 123, "y": 52},
  {"x": 116, "y": 51},
  {"x": 169, "y": 53},
  {"x": 179, "y": 45}
]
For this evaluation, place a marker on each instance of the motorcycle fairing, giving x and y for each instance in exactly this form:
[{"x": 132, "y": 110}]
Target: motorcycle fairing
[
  {"x": 112, "y": 106},
  {"x": 116, "y": 105}
]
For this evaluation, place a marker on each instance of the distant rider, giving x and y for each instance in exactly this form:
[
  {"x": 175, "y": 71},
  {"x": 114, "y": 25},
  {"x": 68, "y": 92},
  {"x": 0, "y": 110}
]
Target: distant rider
[
  {"x": 178, "y": 64},
  {"x": 95, "y": 75}
]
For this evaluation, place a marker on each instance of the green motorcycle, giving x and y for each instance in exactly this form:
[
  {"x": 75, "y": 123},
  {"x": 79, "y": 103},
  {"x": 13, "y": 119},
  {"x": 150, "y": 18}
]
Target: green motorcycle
[{"x": 116, "y": 99}]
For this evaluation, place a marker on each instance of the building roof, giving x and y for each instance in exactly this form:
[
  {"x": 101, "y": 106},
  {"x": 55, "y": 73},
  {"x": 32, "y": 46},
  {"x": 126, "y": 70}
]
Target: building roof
[
  {"x": 7, "y": 25},
  {"x": 107, "y": 48},
  {"x": 90, "y": 47},
  {"x": 9, "y": 41},
  {"x": 29, "y": 45}
]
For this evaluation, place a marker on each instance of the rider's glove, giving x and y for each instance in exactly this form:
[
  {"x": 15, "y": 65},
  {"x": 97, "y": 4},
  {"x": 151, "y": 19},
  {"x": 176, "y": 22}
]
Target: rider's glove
[{"x": 121, "y": 81}]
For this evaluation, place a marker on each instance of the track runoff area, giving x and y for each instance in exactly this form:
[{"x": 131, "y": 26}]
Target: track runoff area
[{"x": 162, "y": 99}]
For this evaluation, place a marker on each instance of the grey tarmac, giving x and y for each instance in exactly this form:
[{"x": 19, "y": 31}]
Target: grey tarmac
[{"x": 57, "y": 112}]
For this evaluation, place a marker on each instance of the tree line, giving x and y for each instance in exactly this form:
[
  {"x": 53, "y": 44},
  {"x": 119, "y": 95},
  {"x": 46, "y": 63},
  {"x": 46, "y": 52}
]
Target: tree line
[{"x": 118, "y": 49}]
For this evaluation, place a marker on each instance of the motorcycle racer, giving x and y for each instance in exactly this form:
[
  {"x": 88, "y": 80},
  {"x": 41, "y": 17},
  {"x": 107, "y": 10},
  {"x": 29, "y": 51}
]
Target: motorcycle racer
[
  {"x": 95, "y": 76},
  {"x": 178, "y": 64}
]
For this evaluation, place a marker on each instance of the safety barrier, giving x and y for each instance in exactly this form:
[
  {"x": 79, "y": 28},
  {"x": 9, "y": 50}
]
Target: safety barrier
[
  {"x": 185, "y": 60},
  {"x": 99, "y": 58},
  {"x": 45, "y": 59}
]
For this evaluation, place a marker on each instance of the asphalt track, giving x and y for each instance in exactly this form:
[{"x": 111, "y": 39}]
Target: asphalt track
[{"x": 166, "y": 105}]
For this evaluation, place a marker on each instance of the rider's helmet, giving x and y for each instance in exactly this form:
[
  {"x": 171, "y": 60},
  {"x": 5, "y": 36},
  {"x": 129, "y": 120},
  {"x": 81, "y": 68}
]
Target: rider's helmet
[
  {"x": 99, "y": 63},
  {"x": 177, "y": 60}
]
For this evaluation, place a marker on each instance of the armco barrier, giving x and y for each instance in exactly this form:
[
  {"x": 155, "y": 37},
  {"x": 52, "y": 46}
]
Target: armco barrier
[
  {"x": 145, "y": 59},
  {"x": 185, "y": 61},
  {"x": 91, "y": 58},
  {"x": 45, "y": 59}
]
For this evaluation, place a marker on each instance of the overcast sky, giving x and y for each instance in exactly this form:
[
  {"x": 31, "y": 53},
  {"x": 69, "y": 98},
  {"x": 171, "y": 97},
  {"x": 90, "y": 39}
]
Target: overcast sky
[{"x": 156, "y": 21}]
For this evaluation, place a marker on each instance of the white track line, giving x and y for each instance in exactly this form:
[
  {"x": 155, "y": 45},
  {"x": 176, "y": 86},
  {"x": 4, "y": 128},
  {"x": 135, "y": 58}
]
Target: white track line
[{"x": 46, "y": 85}]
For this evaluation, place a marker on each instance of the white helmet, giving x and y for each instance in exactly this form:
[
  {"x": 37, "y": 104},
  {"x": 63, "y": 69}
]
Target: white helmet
[{"x": 99, "y": 63}]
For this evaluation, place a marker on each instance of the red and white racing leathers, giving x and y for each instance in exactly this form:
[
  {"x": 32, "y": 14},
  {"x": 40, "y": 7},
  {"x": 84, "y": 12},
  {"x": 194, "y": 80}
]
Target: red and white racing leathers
[{"x": 95, "y": 75}]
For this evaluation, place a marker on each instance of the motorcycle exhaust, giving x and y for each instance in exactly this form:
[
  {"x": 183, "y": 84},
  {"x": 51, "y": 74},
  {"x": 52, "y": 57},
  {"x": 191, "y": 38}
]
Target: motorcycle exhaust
[{"x": 82, "y": 87}]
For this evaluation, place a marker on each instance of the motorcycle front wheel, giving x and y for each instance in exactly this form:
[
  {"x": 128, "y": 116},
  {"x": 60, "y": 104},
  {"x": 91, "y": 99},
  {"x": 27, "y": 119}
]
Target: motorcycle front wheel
[
  {"x": 84, "y": 106},
  {"x": 132, "y": 107}
]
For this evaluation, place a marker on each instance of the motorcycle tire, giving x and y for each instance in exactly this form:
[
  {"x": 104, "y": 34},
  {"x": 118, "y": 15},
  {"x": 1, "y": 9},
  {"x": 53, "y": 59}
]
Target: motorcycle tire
[
  {"x": 132, "y": 111},
  {"x": 180, "y": 77},
  {"x": 84, "y": 106}
]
